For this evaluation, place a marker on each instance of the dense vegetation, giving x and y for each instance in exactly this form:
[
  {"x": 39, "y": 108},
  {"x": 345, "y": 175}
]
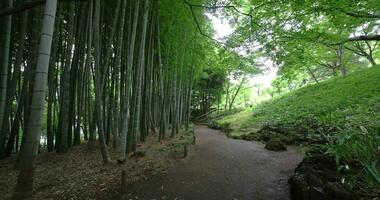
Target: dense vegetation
[
  {"x": 307, "y": 41},
  {"x": 114, "y": 72}
]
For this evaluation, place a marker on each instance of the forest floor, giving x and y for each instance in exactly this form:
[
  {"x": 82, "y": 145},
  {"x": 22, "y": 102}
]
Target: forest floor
[
  {"x": 219, "y": 168},
  {"x": 80, "y": 174}
]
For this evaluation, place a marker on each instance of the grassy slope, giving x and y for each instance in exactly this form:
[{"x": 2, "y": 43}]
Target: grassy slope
[{"x": 344, "y": 101}]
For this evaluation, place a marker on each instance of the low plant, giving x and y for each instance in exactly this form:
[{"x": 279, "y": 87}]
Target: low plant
[{"x": 357, "y": 154}]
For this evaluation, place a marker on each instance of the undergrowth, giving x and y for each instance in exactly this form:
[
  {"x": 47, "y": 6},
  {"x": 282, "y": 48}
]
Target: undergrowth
[{"x": 357, "y": 154}]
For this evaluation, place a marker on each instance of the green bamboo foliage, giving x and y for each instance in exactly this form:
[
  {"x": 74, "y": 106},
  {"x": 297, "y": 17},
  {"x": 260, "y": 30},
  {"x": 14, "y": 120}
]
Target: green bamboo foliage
[
  {"x": 116, "y": 72},
  {"x": 122, "y": 75}
]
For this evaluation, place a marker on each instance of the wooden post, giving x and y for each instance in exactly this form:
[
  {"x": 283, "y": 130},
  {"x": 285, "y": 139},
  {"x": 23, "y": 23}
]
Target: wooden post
[
  {"x": 194, "y": 138},
  {"x": 123, "y": 189},
  {"x": 185, "y": 150}
]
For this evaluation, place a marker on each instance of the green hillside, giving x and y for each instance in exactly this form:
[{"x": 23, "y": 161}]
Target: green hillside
[
  {"x": 343, "y": 101},
  {"x": 339, "y": 117}
]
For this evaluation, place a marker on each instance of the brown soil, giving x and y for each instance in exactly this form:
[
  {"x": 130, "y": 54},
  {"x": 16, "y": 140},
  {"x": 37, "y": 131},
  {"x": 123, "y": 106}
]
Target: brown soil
[
  {"x": 219, "y": 168},
  {"x": 79, "y": 173}
]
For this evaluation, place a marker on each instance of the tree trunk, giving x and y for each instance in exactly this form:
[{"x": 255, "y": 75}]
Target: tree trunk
[
  {"x": 65, "y": 88},
  {"x": 371, "y": 60},
  {"x": 138, "y": 79},
  {"x": 236, "y": 93},
  {"x": 98, "y": 86},
  {"x": 24, "y": 187},
  {"x": 12, "y": 88},
  {"x": 312, "y": 74},
  {"x": 5, "y": 39},
  {"x": 125, "y": 136}
]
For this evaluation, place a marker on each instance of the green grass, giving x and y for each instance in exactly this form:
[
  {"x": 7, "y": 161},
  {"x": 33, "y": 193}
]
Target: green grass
[{"x": 343, "y": 101}]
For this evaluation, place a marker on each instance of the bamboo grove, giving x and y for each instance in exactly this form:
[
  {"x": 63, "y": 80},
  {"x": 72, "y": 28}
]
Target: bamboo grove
[{"x": 105, "y": 72}]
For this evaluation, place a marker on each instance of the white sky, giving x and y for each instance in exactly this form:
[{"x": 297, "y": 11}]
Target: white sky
[
  {"x": 268, "y": 75},
  {"x": 224, "y": 29}
]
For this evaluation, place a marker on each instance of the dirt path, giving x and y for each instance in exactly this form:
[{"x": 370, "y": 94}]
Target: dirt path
[{"x": 219, "y": 168}]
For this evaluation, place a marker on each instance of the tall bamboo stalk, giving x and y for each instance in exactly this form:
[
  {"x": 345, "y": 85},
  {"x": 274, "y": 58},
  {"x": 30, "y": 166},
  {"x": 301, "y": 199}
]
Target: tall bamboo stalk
[{"x": 24, "y": 186}]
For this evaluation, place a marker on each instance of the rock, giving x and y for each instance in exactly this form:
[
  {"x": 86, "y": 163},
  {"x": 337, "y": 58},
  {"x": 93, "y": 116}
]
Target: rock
[
  {"x": 276, "y": 127},
  {"x": 275, "y": 145},
  {"x": 235, "y": 137},
  {"x": 264, "y": 137},
  {"x": 300, "y": 188},
  {"x": 224, "y": 127},
  {"x": 335, "y": 190},
  {"x": 243, "y": 137},
  {"x": 213, "y": 125},
  {"x": 316, "y": 178}
]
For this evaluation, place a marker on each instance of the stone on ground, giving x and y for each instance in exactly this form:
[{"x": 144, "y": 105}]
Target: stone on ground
[{"x": 275, "y": 145}]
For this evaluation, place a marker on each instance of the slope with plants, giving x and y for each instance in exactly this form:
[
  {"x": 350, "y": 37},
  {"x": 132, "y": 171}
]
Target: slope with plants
[
  {"x": 338, "y": 118},
  {"x": 340, "y": 102}
]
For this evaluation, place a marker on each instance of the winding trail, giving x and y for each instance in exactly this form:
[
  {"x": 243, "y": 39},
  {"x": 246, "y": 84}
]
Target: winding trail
[{"x": 219, "y": 168}]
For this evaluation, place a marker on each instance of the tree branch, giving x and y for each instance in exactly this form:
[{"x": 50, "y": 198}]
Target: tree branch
[
  {"x": 25, "y": 6},
  {"x": 364, "y": 38},
  {"x": 360, "y": 38},
  {"x": 217, "y": 7},
  {"x": 358, "y": 52},
  {"x": 196, "y": 21},
  {"x": 361, "y": 15}
]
